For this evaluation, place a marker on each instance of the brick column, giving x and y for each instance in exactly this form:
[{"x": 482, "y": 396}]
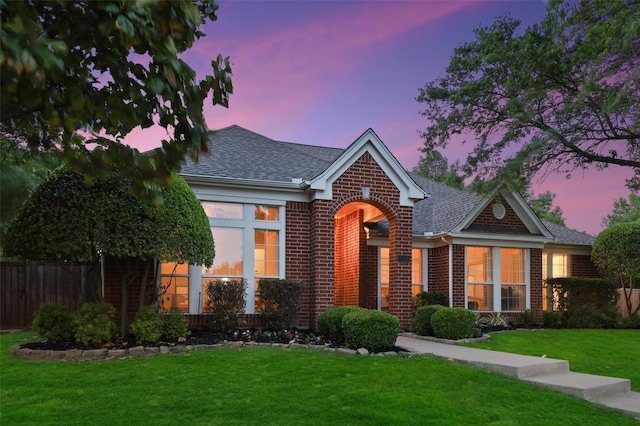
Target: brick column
[{"x": 400, "y": 244}]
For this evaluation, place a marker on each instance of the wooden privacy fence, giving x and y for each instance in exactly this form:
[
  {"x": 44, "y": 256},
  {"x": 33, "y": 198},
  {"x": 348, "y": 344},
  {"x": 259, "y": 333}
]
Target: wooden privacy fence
[
  {"x": 622, "y": 302},
  {"x": 25, "y": 286}
]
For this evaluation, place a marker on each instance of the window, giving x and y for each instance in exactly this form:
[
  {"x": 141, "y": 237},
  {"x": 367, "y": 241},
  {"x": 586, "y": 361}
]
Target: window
[
  {"x": 218, "y": 210},
  {"x": 554, "y": 265},
  {"x": 497, "y": 278},
  {"x": 266, "y": 256},
  {"x": 417, "y": 275},
  {"x": 480, "y": 278},
  {"x": 175, "y": 286},
  {"x": 269, "y": 213},
  {"x": 512, "y": 278},
  {"x": 228, "y": 262}
]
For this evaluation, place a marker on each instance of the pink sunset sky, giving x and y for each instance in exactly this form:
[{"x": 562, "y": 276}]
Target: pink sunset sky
[{"x": 321, "y": 73}]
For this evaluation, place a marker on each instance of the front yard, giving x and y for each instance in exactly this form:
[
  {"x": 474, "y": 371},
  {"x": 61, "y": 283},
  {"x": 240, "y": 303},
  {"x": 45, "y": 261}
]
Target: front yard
[{"x": 275, "y": 386}]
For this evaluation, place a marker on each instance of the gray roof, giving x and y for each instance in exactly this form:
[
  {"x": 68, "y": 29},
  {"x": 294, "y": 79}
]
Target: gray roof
[{"x": 238, "y": 153}]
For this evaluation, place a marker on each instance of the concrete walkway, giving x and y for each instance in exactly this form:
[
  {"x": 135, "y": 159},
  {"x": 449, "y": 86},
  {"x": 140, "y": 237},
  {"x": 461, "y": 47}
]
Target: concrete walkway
[{"x": 609, "y": 391}]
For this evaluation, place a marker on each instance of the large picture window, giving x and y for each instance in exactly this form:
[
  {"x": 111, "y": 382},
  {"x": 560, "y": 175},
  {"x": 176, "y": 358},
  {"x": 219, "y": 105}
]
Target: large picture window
[{"x": 497, "y": 278}]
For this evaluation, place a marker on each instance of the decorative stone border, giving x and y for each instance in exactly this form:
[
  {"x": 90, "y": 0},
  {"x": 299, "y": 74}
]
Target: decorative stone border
[
  {"x": 447, "y": 341},
  {"x": 148, "y": 351}
]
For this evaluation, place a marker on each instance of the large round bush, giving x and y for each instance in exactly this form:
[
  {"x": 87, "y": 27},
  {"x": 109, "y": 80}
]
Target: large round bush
[
  {"x": 52, "y": 321},
  {"x": 421, "y": 321},
  {"x": 454, "y": 323},
  {"x": 93, "y": 324},
  {"x": 373, "y": 330},
  {"x": 330, "y": 322}
]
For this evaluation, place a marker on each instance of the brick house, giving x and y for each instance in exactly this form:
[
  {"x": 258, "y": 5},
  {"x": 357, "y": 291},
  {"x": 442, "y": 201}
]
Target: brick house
[{"x": 360, "y": 230}]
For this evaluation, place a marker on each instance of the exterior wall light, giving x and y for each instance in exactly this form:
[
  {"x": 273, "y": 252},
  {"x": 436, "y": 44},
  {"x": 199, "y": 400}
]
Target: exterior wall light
[{"x": 366, "y": 192}]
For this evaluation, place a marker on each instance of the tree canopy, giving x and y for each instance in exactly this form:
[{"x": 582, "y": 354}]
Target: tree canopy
[
  {"x": 556, "y": 96},
  {"x": 79, "y": 76},
  {"x": 616, "y": 253},
  {"x": 624, "y": 211}
]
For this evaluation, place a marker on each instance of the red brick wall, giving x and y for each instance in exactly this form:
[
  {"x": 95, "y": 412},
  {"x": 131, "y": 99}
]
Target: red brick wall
[
  {"x": 486, "y": 219},
  {"x": 349, "y": 234},
  {"x": 438, "y": 269},
  {"x": 535, "y": 282},
  {"x": 581, "y": 266},
  {"x": 369, "y": 277},
  {"x": 298, "y": 253},
  {"x": 458, "y": 275}
]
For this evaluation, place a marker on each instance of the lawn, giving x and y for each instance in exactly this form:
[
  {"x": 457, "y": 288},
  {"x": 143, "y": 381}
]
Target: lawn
[
  {"x": 614, "y": 353},
  {"x": 273, "y": 386}
]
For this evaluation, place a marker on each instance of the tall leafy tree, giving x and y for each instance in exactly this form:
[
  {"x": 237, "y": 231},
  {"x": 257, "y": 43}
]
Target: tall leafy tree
[
  {"x": 624, "y": 211},
  {"x": 80, "y": 76},
  {"x": 434, "y": 165},
  {"x": 65, "y": 220},
  {"x": 562, "y": 94}
]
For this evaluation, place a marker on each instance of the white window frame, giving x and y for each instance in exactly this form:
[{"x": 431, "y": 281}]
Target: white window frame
[{"x": 425, "y": 274}]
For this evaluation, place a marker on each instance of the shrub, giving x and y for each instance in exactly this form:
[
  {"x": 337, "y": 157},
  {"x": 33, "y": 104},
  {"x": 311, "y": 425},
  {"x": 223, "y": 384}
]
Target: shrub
[
  {"x": 52, "y": 321},
  {"x": 93, "y": 324},
  {"x": 586, "y": 302},
  {"x": 421, "y": 321},
  {"x": 454, "y": 323},
  {"x": 552, "y": 319},
  {"x": 330, "y": 322},
  {"x": 147, "y": 327},
  {"x": 279, "y": 302},
  {"x": 526, "y": 318},
  {"x": 494, "y": 319},
  {"x": 425, "y": 298},
  {"x": 373, "y": 330},
  {"x": 175, "y": 324},
  {"x": 226, "y": 303}
]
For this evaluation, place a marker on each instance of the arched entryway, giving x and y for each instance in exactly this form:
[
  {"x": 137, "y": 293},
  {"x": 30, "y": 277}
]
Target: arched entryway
[{"x": 356, "y": 262}]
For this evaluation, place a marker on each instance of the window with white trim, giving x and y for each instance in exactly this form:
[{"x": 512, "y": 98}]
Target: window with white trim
[
  {"x": 497, "y": 278},
  {"x": 417, "y": 275},
  {"x": 554, "y": 265}
]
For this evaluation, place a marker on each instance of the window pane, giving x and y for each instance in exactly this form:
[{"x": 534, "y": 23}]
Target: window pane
[
  {"x": 384, "y": 265},
  {"x": 266, "y": 253},
  {"x": 228, "y": 259},
  {"x": 175, "y": 292},
  {"x": 416, "y": 266},
  {"x": 172, "y": 268},
  {"x": 480, "y": 297},
  {"x": 513, "y": 297},
  {"x": 479, "y": 265},
  {"x": 560, "y": 266},
  {"x": 222, "y": 210},
  {"x": 512, "y": 269},
  {"x": 384, "y": 299},
  {"x": 266, "y": 213}
]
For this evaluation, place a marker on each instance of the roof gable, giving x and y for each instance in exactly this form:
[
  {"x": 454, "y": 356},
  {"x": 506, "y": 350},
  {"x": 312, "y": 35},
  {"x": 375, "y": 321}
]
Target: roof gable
[{"x": 370, "y": 143}]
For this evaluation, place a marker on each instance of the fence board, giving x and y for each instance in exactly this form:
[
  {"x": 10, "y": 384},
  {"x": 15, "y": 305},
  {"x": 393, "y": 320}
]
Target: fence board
[
  {"x": 25, "y": 286},
  {"x": 622, "y": 302}
]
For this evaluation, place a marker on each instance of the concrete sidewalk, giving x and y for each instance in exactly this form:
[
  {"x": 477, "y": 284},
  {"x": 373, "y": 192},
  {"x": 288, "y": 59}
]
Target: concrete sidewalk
[{"x": 609, "y": 391}]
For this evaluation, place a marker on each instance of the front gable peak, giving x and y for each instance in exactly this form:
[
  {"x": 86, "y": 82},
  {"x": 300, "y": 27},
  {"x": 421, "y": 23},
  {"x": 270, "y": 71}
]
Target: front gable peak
[{"x": 368, "y": 143}]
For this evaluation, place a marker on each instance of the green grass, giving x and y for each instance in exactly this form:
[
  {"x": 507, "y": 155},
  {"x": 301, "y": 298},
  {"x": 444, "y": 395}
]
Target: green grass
[
  {"x": 272, "y": 386},
  {"x": 614, "y": 353}
]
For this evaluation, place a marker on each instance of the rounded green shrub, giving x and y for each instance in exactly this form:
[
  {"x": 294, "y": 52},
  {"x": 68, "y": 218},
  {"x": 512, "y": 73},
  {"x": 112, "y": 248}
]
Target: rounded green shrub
[
  {"x": 147, "y": 327},
  {"x": 330, "y": 322},
  {"x": 425, "y": 298},
  {"x": 175, "y": 324},
  {"x": 421, "y": 321},
  {"x": 52, "y": 321},
  {"x": 454, "y": 323},
  {"x": 93, "y": 324},
  {"x": 372, "y": 330}
]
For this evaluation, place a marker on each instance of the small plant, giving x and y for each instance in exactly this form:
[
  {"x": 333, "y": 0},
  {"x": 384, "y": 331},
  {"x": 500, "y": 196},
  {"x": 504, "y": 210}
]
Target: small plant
[
  {"x": 494, "y": 319},
  {"x": 226, "y": 303},
  {"x": 421, "y": 321},
  {"x": 147, "y": 327},
  {"x": 373, "y": 330},
  {"x": 52, "y": 321},
  {"x": 552, "y": 319},
  {"x": 330, "y": 322},
  {"x": 526, "y": 318},
  {"x": 454, "y": 323},
  {"x": 425, "y": 298},
  {"x": 93, "y": 324},
  {"x": 279, "y": 302},
  {"x": 175, "y": 324}
]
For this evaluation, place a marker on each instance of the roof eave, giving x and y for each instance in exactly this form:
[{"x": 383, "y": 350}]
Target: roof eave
[{"x": 244, "y": 183}]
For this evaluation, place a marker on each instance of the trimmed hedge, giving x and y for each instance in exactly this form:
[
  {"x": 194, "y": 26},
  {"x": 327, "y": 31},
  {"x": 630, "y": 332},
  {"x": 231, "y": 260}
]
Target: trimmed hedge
[
  {"x": 586, "y": 302},
  {"x": 421, "y": 321},
  {"x": 330, "y": 322},
  {"x": 225, "y": 304},
  {"x": 454, "y": 324},
  {"x": 279, "y": 302},
  {"x": 372, "y": 330},
  {"x": 52, "y": 321},
  {"x": 425, "y": 298}
]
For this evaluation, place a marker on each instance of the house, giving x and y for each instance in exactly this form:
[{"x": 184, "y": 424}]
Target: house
[{"x": 359, "y": 229}]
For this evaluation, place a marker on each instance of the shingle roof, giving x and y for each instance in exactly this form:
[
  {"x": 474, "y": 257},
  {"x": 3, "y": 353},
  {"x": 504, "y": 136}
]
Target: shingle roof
[{"x": 239, "y": 153}]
